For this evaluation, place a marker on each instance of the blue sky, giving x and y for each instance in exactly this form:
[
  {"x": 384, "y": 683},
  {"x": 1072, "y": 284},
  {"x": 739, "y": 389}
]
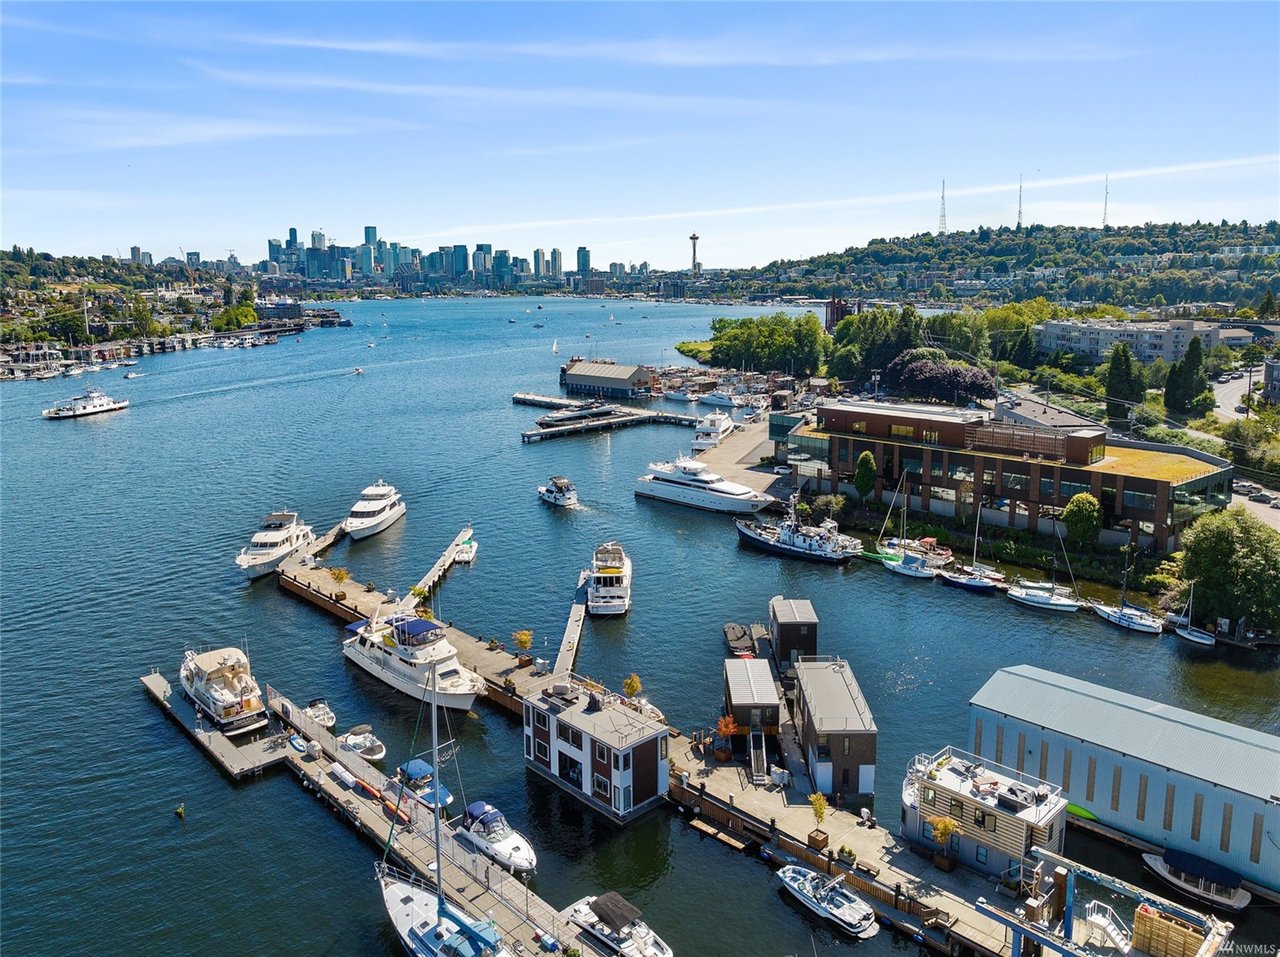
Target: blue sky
[{"x": 774, "y": 131}]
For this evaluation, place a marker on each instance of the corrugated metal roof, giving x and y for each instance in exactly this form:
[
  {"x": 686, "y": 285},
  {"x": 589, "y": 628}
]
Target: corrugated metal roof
[
  {"x": 750, "y": 682},
  {"x": 792, "y": 611},
  {"x": 1234, "y": 757},
  {"x": 607, "y": 370},
  {"x": 832, "y": 696}
]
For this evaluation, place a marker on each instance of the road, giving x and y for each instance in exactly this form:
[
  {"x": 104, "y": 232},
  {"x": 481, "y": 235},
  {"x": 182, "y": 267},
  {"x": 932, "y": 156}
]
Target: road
[
  {"x": 1269, "y": 515},
  {"x": 1228, "y": 395}
]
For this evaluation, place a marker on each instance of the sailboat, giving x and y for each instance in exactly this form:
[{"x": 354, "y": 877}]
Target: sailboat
[
  {"x": 1185, "y": 628},
  {"x": 910, "y": 564},
  {"x": 555, "y": 347},
  {"x": 1132, "y": 617},
  {"x": 1047, "y": 596},
  {"x": 971, "y": 579},
  {"x": 424, "y": 920}
]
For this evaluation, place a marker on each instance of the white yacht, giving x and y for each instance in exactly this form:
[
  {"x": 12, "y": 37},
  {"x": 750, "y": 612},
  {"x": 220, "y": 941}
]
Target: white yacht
[
  {"x": 1044, "y": 595},
  {"x": 559, "y": 491},
  {"x": 280, "y": 536},
  {"x": 93, "y": 402},
  {"x": 828, "y": 897},
  {"x": 687, "y": 481},
  {"x": 577, "y": 413},
  {"x": 681, "y": 395},
  {"x": 615, "y": 923},
  {"x": 710, "y": 430},
  {"x": 609, "y": 587},
  {"x": 380, "y": 506},
  {"x": 404, "y": 651},
  {"x": 486, "y": 828},
  {"x": 221, "y": 685},
  {"x": 720, "y": 397}
]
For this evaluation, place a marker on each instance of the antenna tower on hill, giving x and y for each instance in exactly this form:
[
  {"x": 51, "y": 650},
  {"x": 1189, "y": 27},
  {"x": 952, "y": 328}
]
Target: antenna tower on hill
[
  {"x": 1019, "y": 200},
  {"x": 942, "y": 215},
  {"x": 1106, "y": 199}
]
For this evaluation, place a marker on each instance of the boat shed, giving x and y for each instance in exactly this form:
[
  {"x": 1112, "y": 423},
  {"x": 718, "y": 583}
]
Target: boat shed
[
  {"x": 598, "y": 377},
  {"x": 837, "y": 729},
  {"x": 793, "y": 630},
  {"x": 1170, "y": 777},
  {"x": 751, "y": 695}
]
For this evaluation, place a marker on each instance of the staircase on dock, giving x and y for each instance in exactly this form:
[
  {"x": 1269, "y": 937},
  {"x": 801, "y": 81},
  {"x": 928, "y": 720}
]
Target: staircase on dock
[
  {"x": 1102, "y": 916},
  {"x": 759, "y": 763}
]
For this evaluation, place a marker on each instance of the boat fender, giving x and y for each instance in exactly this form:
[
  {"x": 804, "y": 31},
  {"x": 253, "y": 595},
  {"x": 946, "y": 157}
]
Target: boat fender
[
  {"x": 918, "y": 938},
  {"x": 886, "y": 921}
]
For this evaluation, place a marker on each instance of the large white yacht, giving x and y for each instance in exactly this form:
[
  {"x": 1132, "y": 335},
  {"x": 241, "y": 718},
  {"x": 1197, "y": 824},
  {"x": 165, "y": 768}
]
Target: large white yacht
[
  {"x": 404, "y": 650},
  {"x": 380, "y": 506},
  {"x": 609, "y": 587},
  {"x": 280, "y": 536},
  {"x": 93, "y": 402},
  {"x": 221, "y": 685},
  {"x": 687, "y": 481},
  {"x": 711, "y": 428},
  {"x": 720, "y": 397}
]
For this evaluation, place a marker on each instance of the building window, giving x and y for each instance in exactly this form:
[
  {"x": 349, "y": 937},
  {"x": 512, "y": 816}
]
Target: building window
[
  {"x": 999, "y": 744},
  {"x": 1168, "y": 807},
  {"x": 1046, "y": 491},
  {"x": 662, "y": 748},
  {"x": 540, "y": 719},
  {"x": 1016, "y": 482},
  {"x": 617, "y": 761},
  {"x": 930, "y": 796},
  {"x": 1197, "y": 814},
  {"x": 570, "y": 736},
  {"x": 602, "y": 753},
  {"x": 1116, "y": 774},
  {"x": 1044, "y": 760},
  {"x": 1224, "y": 842},
  {"x": 600, "y": 787},
  {"x": 1090, "y": 778},
  {"x": 1142, "y": 797},
  {"x": 1049, "y": 835},
  {"x": 528, "y": 746},
  {"x": 845, "y": 741},
  {"x": 980, "y": 854},
  {"x": 957, "y": 809},
  {"x": 541, "y": 749},
  {"x": 528, "y": 715},
  {"x": 977, "y": 735},
  {"x": 1066, "y": 769},
  {"x": 626, "y": 761},
  {"x": 1022, "y": 751},
  {"x": 902, "y": 431},
  {"x": 1143, "y": 501},
  {"x": 1255, "y": 845},
  {"x": 929, "y": 437},
  {"x": 860, "y": 428}
]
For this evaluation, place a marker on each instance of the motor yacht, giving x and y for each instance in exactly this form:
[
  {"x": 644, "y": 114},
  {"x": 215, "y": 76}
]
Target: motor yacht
[
  {"x": 559, "y": 491},
  {"x": 828, "y": 897},
  {"x": 615, "y": 923},
  {"x": 413, "y": 656},
  {"x": 379, "y": 507},
  {"x": 279, "y": 536},
  {"x": 416, "y": 780},
  {"x": 221, "y": 685},
  {"x": 609, "y": 586},
  {"x": 1047, "y": 596},
  {"x": 681, "y": 395},
  {"x": 720, "y": 397},
  {"x": 93, "y": 402},
  {"x": 579, "y": 413},
  {"x": 362, "y": 741},
  {"x": 710, "y": 430},
  {"x": 486, "y": 829},
  {"x": 789, "y": 537},
  {"x": 687, "y": 481}
]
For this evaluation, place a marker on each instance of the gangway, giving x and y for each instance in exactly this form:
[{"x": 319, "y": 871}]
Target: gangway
[
  {"x": 1103, "y": 916},
  {"x": 759, "y": 765}
]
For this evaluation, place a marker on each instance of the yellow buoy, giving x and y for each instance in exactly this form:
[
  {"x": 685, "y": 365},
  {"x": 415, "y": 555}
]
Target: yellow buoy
[{"x": 181, "y": 810}]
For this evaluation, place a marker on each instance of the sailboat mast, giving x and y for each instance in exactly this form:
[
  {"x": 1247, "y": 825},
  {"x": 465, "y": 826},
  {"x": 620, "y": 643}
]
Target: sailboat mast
[
  {"x": 435, "y": 763},
  {"x": 976, "y": 523}
]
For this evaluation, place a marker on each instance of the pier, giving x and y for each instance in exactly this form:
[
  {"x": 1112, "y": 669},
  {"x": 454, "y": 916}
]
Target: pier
[
  {"x": 545, "y": 401},
  {"x": 616, "y": 421},
  {"x": 419, "y": 592},
  {"x": 573, "y": 628}
]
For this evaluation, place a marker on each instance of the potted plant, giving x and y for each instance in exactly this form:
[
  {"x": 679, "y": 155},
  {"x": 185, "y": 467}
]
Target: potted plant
[
  {"x": 944, "y": 828},
  {"x": 339, "y": 575},
  {"x": 509, "y": 684},
  {"x": 725, "y": 728},
  {"x": 631, "y": 685},
  {"x": 818, "y": 837},
  {"x": 524, "y": 641},
  {"x": 847, "y": 854},
  {"x": 493, "y": 644}
]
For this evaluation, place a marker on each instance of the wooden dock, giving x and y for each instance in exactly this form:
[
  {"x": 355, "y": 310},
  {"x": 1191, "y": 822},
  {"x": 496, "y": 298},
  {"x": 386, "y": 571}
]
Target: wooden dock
[
  {"x": 573, "y": 628},
  {"x": 545, "y": 401},
  {"x": 421, "y": 591},
  {"x": 616, "y": 421}
]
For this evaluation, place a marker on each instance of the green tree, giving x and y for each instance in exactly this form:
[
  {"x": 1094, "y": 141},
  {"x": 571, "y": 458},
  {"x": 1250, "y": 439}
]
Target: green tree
[
  {"x": 1267, "y": 307},
  {"x": 1083, "y": 518},
  {"x": 1234, "y": 559},
  {"x": 228, "y": 295},
  {"x": 1124, "y": 383},
  {"x": 1193, "y": 368},
  {"x": 864, "y": 475},
  {"x": 1157, "y": 373},
  {"x": 828, "y": 506},
  {"x": 631, "y": 685},
  {"x": 1252, "y": 354}
]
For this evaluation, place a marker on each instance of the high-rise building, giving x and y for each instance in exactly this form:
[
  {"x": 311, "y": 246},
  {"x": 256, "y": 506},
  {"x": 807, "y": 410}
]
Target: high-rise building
[
  {"x": 274, "y": 250},
  {"x": 459, "y": 261},
  {"x": 371, "y": 235},
  {"x": 317, "y": 239},
  {"x": 482, "y": 259},
  {"x": 293, "y": 237},
  {"x": 539, "y": 263},
  {"x": 364, "y": 259},
  {"x": 502, "y": 268},
  {"x": 557, "y": 264},
  {"x": 617, "y": 270},
  {"x": 342, "y": 269},
  {"x": 584, "y": 260},
  {"x": 145, "y": 259},
  {"x": 193, "y": 257},
  {"x": 135, "y": 254}
]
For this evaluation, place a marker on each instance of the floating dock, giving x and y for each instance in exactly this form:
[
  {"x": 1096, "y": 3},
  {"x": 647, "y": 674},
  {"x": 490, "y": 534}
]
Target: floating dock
[
  {"x": 573, "y": 628},
  {"x": 623, "y": 417}
]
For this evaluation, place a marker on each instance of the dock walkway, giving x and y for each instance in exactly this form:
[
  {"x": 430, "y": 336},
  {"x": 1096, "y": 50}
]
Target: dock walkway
[
  {"x": 573, "y": 628},
  {"x": 616, "y": 421},
  {"x": 421, "y": 591}
]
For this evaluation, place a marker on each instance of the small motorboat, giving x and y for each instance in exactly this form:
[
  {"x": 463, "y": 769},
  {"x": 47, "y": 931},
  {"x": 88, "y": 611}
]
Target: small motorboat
[
  {"x": 486, "y": 828},
  {"x": 318, "y": 710},
  {"x": 614, "y": 923},
  {"x": 913, "y": 566},
  {"x": 559, "y": 491},
  {"x": 134, "y": 375},
  {"x": 828, "y": 897},
  {"x": 357, "y": 371},
  {"x": 416, "y": 781},
  {"x": 465, "y": 553},
  {"x": 363, "y": 742},
  {"x": 1204, "y": 880}
]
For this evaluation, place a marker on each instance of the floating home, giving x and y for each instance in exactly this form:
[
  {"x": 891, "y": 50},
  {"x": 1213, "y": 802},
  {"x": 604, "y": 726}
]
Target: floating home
[{"x": 836, "y": 727}]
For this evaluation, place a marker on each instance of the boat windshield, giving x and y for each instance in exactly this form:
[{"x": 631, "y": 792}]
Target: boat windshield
[{"x": 497, "y": 829}]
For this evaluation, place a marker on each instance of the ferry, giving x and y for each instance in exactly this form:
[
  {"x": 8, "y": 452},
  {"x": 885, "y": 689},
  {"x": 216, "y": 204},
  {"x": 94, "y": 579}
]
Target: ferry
[
  {"x": 609, "y": 587},
  {"x": 93, "y": 402}
]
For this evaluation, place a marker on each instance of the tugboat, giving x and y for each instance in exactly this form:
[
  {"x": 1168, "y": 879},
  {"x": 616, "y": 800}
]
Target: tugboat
[{"x": 789, "y": 537}]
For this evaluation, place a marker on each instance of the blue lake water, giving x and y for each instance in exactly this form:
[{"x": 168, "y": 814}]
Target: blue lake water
[{"x": 118, "y": 536}]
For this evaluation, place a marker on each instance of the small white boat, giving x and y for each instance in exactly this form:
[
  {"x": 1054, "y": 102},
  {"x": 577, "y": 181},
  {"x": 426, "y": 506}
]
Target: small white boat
[
  {"x": 465, "y": 553},
  {"x": 93, "y": 402},
  {"x": 222, "y": 686},
  {"x": 615, "y": 923},
  {"x": 1128, "y": 616},
  {"x": 1046, "y": 596},
  {"x": 362, "y": 741},
  {"x": 609, "y": 586},
  {"x": 828, "y": 897},
  {"x": 559, "y": 491},
  {"x": 318, "y": 710},
  {"x": 555, "y": 345},
  {"x": 912, "y": 566},
  {"x": 134, "y": 375},
  {"x": 1184, "y": 628},
  {"x": 711, "y": 430},
  {"x": 416, "y": 780},
  {"x": 280, "y": 536},
  {"x": 1204, "y": 880},
  {"x": 680, "y": 395},
  {"x": 379, "y": 507},
  {"x": 486, "y": 829},
  {"x": 357, "y": 371}
]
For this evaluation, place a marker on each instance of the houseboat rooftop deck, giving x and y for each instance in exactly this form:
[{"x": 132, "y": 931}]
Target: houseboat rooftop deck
[{"x": 1013, "y": 792}]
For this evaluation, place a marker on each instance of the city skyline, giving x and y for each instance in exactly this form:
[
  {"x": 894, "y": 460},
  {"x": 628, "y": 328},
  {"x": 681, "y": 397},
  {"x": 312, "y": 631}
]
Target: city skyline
[{"x": 777, "y": 133}]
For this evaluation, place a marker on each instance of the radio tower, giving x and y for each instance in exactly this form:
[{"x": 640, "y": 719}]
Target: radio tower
[
  {"x": 1106, "y": 198},
  {"x": 1019, "y": 201},
  {"x": 694, "y": 239},
  {"x": 942, "y": 215}
]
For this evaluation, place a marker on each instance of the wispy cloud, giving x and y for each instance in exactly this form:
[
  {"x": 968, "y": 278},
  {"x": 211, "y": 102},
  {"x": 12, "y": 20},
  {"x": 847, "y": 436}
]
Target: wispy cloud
[
  {"x": 876, "y": 199},
  {"x": 24, "y": 79},
  {"x": 577, "y": 149}
]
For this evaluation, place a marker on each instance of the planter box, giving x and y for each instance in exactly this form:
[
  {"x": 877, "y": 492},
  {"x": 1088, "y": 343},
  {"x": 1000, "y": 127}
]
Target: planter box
[
  {"x": 524, "y": 661},
  {"x": 340, "y": 596},
  {"x": 818, "y": 840},
  {"x": 943, "y": 862},
  {"x": 850, "y": 859},
  {"x": 723, "y": 754}
]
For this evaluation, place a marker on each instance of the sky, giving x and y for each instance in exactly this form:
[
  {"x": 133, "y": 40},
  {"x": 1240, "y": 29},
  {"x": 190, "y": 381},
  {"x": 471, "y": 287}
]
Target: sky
[{"x": 773, "y": 131}]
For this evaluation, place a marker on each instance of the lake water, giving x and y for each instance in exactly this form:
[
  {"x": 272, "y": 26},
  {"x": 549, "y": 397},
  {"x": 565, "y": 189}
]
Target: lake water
[{"x": 118, "y": 538}]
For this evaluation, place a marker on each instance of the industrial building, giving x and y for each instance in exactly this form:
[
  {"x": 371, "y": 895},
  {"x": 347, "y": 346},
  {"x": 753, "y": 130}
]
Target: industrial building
[
  {"x": 1169, "y": 777},
  {"x": 607, "y": 378},
  {"x": 602, "y": 748},
  {"x": 837, "y": 730}
]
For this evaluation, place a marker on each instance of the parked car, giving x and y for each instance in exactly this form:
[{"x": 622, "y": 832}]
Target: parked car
[
  {"x": 1266, "y": 498},
  {"x": 1223, "y": 378},
  {"x": 1237, "y": 374},
  {"x": 1242, "y": 408},
  {"x": 782, "y": 470},
  {"x": 1276, "y": 503}
]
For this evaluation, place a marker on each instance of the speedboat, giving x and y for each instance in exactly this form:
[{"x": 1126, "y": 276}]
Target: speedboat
[
  {"x": 416, "y": 781},
  {"x": 93, "y": 402},
  {"x": 1128, "y": 616},
  {"x": 687, "y": 481},
  {"x": 680, "y": 395},
  {"x": 578, "y": 413},
  {"x": 615, "y": 922},
  {"x": 1204, "y": 880},
  {"x": 465, "y": 553},
  {"x": 362, "y": 741},
  {"x": 428, "y": 925},
  {"x": 486, "y": 828},
  {"x": 134, "y": 375},
  {"x": 379, "y": 507},
  {"x": 318, "y": 710},
  {"x": 221, "y": 685},
  {"x": 710, "y": 430},
  {"x": 279, "y": 536},
  {"x": 609, "y": 586},
  {"x": 1047, "y": 596},
  {"x": 789, "y": 537},
  {"x": 913, "y": 566},
  {"x": 413, "y": 656},
  {"x": 558, "y": 491},
  {"x": 828, "y": 897},
  {"x": 719, "y": 397}
]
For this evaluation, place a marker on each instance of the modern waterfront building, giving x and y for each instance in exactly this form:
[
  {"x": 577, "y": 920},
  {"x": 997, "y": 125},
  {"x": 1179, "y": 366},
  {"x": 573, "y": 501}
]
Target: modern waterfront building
[
  {"x": 956, "y": 459},
  {"x": 1094, "y": 338},
  {"x": 1271, "y": 380},
  {"x": 793, "y": 630},
  {"x": 605, "y": 377},
  {"x": 598, "y": 746},
  {"x": 751, "y": 695},
  {"x": 836, "y": 727},
  {"x": 1166, "y": 776},
  {"x": 1002, "y": 811}
]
